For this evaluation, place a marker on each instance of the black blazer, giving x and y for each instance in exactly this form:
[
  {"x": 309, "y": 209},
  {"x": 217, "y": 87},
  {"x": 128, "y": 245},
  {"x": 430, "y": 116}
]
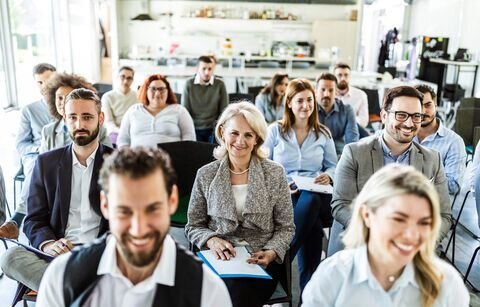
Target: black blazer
[{"x": 48, "y": 201}]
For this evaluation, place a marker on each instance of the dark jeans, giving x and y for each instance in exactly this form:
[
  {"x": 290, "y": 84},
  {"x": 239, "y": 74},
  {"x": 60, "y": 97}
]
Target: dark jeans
[
  {"x": 477, "y": 193},
  {"x": 253, "y": 292},
  {"x": 312, "y": 213},
  {"x": 205, "y": 135}
]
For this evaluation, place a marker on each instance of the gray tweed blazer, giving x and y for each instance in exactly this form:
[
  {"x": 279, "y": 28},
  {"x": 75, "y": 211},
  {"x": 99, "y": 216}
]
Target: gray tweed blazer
[{"x": 268, "y": 214}]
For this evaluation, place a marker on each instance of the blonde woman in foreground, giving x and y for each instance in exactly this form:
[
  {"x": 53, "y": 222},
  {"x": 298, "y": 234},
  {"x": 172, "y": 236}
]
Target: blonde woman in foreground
[{"x": 390, "y": 258}]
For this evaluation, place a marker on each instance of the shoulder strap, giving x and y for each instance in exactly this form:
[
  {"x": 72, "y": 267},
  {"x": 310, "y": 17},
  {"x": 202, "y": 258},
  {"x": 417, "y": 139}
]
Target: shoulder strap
[
  {"x": 187, "y": 291},
  {"x": 81, "y": 270}
]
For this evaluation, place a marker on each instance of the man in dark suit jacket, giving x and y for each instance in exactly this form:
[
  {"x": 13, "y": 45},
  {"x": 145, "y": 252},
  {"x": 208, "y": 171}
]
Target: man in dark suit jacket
[
  {"x": 64, "y": 197},
  {"x": 402, "y": 116}
]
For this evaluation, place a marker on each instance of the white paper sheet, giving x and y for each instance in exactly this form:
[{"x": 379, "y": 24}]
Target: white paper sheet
[
  {"x": 307, "y": 184},
  {"x": 235, "y": 267}
]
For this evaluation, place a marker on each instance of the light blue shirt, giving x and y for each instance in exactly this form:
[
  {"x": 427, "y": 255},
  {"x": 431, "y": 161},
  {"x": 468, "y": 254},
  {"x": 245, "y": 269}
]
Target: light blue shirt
[
  {"x": 452, "y": 151},
  {"x": 263, "y": 103},
  {"x": 32, "y": 119},
  {"x": 315, "y": 156},
  {"x": 388, "y": 157},
  {"x": 346, "y": 280}
]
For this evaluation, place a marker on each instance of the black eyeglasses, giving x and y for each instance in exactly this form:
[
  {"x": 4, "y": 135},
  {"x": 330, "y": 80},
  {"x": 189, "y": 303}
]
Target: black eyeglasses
[
  {"x": 161, "y": 89},
  {"x": 402, "y": 116}
]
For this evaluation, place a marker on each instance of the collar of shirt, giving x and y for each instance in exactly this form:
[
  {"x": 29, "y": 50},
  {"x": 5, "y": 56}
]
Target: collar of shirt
[
  {"x": 198, "y": 80},
  {"x": 346, "y": 95},
  {"x": 164, "y": 272},
  {"x": 387, "y": 152},
  {"x": 441, "y": 132},
  {"x": 363, "y": 273},
  {"x": 90, "y": 158},
  {"x": 335, "y": 108}
]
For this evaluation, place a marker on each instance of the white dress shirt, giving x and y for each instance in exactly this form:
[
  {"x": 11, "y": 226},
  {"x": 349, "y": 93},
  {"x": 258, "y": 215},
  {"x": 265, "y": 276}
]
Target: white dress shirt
[
  {"x": 359, "y": 101},
  {"x": 346, "y": 280},
  {"x": 83, "y": 223},
  {"x": 114, "y": 289}
]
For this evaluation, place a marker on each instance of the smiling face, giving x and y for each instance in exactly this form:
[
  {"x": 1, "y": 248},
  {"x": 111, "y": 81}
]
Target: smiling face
[
  {"x": 326, "y": 94},
  {"x": 239, "y": 137},
  {"x": 398, "y": 229},
  {"x": 429, "y": 110},
  {"x": 401, "y": 132},
  {"x": 302, "y": 105},
  {"x": 157, "y": 94},
  {"x": 60, "y": 95},
  {"x": 138, "y": 211}
]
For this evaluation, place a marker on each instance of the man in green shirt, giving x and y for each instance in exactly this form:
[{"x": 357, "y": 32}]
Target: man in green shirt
[{"x": 205, "y": 97}]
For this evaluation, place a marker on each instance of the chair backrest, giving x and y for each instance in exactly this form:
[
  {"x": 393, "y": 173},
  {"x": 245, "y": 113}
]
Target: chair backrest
[
  {"x": 236, "y": 97},
  {"x": 254, "y": 90},
  {"x": 102, "y": 88},
  {"x": 187, "y": 157},
  {"x": 179, "y": 97}
]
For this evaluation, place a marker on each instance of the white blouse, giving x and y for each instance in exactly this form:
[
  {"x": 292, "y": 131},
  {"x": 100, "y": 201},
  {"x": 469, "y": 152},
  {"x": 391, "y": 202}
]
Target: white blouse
[{"x": 140, "y": 128}]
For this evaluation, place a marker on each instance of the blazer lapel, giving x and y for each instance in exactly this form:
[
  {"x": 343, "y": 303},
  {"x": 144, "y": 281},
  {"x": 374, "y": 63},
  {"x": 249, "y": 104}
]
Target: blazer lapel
[
  {"x": 416, "y": 158},
  {"x": 221, "y": 194},
  {"x": 94, "y": 191},
  {"x": 64, "y": 175},
  {"x": 257, "y": 195},
  {"x": 377, "y": 155}
]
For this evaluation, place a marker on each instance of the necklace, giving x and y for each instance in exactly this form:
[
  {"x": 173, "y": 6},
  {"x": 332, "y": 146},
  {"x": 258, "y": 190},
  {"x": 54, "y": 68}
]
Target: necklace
[
  {"x": 391, "y": 278},
  {"x": 238, "y": 173}
]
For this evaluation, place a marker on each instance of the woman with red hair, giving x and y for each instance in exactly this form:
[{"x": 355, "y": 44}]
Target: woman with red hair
[{"x": 158, "y": 118}]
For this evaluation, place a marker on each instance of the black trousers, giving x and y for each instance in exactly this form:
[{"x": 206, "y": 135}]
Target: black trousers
[{"x": 254, "y": 292}]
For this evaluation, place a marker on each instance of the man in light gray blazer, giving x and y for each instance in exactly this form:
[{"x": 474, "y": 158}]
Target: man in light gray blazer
[{"x": 402, "y": 116}]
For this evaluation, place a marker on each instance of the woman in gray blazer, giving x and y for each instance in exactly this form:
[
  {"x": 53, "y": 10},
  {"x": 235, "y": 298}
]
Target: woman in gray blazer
[
  {"x": 55, "y": 134},
  {"x": 242, "y": 199}
]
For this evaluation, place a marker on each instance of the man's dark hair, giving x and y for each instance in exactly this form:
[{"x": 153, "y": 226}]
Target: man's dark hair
[
  {"x": 326, "y": 76},
  {"x": 85, "y": 94},
  {"x": 43, "y": 67},
  {"x": 400, "y": 91},
  {"x": 136, "y": 163},
  {"x": 126, "y": 68},
  {"x": 207, "y": 59},
  {"x": 423, "y": 88},
  {"x": 342, "y": 66}
]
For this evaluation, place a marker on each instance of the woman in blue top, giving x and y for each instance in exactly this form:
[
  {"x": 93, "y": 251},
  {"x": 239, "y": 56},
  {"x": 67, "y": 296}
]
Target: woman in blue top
[
  {"x": 270, "y": 99},
  {"x": 304, "y": 147}
]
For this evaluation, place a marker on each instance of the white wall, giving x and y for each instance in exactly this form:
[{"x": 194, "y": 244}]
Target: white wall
[
  {"x": 247, "y": 35},
  {"x": 456, "y": 19}
]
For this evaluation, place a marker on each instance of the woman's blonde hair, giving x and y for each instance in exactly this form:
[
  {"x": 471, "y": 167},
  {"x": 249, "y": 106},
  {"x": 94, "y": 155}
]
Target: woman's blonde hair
[
  {"x": 294, "y": 87},
  {"x": 395, "y": 180},
  {"x": 254, "y": 119}
]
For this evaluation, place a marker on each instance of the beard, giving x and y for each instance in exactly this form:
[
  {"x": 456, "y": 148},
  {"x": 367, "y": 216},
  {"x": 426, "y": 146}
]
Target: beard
[
  {"x": 84, "y": 139},
  {"x": 426, "y": 122},
  {"x": 342, "y": 85},
  {"x": 142, "y": 258},
  {"x": 397, "y": 134}
]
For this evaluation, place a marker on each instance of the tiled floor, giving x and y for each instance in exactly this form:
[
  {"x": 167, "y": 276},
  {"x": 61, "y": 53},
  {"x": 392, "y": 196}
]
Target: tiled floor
[{"x": 465, "y": 243}]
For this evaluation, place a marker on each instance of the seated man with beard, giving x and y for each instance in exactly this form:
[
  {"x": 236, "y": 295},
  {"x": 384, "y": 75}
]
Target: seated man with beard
[
  {"x": 138, "y": 264},
  {"x": 64, "y": 197}
]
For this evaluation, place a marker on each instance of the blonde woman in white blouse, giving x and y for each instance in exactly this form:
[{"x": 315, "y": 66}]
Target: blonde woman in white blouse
[
  {"x": 158, "y": 118},
  {"x": 390, "y": 258}
]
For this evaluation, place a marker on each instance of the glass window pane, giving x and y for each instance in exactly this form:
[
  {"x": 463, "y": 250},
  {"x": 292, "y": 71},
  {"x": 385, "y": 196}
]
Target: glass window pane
[{"x": 32, "y": 36}]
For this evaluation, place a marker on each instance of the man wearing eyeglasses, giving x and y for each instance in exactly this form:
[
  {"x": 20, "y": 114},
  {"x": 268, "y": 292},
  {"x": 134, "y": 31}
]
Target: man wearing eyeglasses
[
  {"x": 117, "y": 101},
  {"x": 433, "y": 134},
  {"x": 402, "y": 116}
]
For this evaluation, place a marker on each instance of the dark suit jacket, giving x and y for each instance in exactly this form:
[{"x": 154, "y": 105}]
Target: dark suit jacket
[
  {"x": 361, "y": 159},
  {"x": 48, "y": 201}
]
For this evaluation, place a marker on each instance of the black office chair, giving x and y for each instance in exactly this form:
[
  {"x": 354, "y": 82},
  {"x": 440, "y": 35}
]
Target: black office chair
[
  {"x": 237, "y": 97},
  {"x": 254, "y": 90},
  {"x": 102, "y": 88},
  {"x": 187, "y": 157},
  {"x": 179, "y": 97},
  {"x": 373, "y": 106}
]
